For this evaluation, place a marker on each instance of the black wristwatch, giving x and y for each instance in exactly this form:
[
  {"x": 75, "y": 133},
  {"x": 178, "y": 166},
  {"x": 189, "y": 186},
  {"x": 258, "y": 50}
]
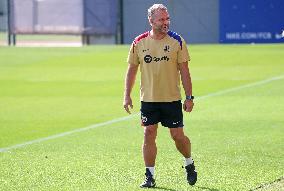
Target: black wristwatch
[{"x": 190, "y": 97}]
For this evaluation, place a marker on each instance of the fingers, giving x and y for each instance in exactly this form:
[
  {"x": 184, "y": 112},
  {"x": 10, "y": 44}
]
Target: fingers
[
  {"x": 188, "y": 106},
  {"x": 126, "y": 107},
  {"x": 126, "y": 103},
  {"x": 189, "y": 109},
  {"x": 184, "y": 107}
]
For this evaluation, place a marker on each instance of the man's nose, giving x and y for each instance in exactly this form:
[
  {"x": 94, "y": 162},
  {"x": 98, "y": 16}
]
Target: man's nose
[{"x": 166, "y": 22}]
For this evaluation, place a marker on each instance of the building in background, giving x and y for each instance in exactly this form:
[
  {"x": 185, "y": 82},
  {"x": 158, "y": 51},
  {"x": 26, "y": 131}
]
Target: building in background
[
  {"x": 196, "y": 20},
  {"x": 212, "y": 21},
  {"x": 120, "y": 21}
]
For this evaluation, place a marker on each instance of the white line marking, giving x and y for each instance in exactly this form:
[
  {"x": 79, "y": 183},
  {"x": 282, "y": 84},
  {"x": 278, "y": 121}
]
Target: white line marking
[
  {"x": 242, "y": 87},
  {"x": 5, "y": 149},
  {"x": 68, "y": 133}
]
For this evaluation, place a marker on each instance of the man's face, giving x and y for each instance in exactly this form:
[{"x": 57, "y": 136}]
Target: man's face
[{"x": 160, "y": 21}]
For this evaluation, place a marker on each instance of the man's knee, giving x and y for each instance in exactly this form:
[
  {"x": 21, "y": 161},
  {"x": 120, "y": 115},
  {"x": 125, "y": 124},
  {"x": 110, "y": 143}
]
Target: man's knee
[
  {"x": 150, "y": 132},
  {"x": 180, "y": 137},
  {"x": 177, "y": 137}
]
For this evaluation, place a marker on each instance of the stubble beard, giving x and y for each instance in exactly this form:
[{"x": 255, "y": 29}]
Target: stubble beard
[{"x": 163, "y": 29}]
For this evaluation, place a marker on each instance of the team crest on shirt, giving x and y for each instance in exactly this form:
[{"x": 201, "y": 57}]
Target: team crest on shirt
[{"x": 167, "y": 48}]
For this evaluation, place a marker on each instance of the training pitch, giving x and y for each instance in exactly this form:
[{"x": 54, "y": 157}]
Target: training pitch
[{"x": 63, "y": 127}]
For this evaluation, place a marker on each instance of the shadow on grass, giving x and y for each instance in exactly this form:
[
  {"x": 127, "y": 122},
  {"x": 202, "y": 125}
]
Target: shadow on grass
[
  {"x": 199, "y": 187},
  {"x": 206, "y": 188},
  {"x": 163, "y": 188}
]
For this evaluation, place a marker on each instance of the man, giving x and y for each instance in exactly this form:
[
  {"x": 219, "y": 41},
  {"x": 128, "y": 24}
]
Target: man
[{"x": 163, "y": 59}]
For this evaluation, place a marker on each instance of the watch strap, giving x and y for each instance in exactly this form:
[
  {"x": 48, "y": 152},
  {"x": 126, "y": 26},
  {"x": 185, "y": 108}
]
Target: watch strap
[{"x": 190, "y": 97}]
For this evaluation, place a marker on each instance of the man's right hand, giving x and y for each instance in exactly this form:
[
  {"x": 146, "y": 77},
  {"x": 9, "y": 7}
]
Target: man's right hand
[{"x": 126, "y": 103}]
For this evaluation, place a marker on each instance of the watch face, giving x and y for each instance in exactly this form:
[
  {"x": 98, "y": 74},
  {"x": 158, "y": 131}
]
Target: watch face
[{"x": 190, "y": 97}]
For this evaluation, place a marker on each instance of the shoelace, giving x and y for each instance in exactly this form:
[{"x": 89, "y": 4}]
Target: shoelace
[{"x": 148, "y": 178}]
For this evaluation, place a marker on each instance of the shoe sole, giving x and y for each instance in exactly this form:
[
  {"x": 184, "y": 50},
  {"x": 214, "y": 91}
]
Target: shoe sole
[
  {"x": 148, "y": 186},
  {"x": 192, "y": 183}
]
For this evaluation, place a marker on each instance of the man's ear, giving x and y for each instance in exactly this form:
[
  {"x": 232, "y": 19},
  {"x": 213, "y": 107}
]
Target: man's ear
[{"x": 150, "y": 20}]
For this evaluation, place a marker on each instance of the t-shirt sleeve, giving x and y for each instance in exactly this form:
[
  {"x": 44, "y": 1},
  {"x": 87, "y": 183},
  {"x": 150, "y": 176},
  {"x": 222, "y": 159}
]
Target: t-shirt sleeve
[
  {"x": 133, "y": 55},
  {"x": 183, "y": 55}
]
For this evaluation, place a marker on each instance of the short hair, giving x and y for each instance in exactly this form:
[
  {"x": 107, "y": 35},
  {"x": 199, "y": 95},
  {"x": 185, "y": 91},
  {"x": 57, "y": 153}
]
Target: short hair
[{"x": 156, "y": 7}]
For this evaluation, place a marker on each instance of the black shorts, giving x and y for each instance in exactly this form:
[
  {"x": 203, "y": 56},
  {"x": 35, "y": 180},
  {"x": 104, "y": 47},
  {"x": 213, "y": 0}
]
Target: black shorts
[{"x": 168, "y": 113}]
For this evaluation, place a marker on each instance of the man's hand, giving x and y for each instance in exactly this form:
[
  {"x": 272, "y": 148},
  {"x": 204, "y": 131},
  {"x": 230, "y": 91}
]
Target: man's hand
[
  {"x": 126, "y": 103},
  {"x": 188, "y": 105}
]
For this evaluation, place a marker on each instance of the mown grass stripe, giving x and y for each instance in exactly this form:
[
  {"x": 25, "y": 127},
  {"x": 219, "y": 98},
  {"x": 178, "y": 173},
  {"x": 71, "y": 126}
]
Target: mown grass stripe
[{"x": 230, "y": 90}]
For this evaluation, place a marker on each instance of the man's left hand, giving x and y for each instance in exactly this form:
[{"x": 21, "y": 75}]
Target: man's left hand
[{"x": 188, "y": 105}]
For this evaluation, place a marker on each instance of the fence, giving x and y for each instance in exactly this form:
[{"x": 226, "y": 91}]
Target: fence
[{"x": 72, "y": 17}]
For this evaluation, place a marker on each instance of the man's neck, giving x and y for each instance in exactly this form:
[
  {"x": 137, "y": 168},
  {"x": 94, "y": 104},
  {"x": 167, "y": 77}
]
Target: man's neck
[{"x": 157, "y": 35}]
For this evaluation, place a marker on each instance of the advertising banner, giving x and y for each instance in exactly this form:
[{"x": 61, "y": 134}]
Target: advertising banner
[{"x": 251, "y": 21}]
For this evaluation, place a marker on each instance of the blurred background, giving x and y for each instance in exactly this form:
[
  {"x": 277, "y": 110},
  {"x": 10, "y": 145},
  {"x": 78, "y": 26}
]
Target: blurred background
[{"x": 84, "y": 22}]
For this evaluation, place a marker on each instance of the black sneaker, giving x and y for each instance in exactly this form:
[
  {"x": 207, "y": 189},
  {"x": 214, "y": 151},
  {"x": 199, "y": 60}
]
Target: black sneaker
[
  {"x": 149, "y": 181},
  {"x": 191, "y": 174}
]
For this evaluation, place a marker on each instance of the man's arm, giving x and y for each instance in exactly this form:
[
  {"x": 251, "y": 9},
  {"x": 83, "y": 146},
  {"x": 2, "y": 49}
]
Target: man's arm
[
  {"x": 187, "y": 85},
  {"x": 129, "y": 83}
]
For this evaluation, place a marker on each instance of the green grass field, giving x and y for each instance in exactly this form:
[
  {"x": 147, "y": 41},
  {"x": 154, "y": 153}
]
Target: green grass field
[{"x": 236, "y": 128}]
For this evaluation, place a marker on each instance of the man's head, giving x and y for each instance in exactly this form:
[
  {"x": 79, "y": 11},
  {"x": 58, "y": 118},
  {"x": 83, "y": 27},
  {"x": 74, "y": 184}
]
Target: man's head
[{"x": 159, "y": 18}]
